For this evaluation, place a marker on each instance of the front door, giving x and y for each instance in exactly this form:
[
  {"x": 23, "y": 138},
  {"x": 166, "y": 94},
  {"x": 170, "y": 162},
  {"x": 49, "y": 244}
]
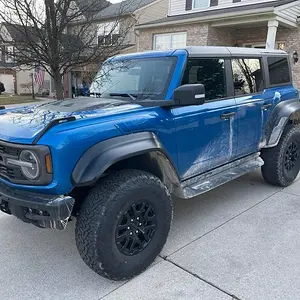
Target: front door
[
  {"x": 206, "y": 134},
  {"x": 249, "y": 96}
]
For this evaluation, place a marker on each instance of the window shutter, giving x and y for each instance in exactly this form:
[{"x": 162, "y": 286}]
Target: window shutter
[
  {"x": 188, "y": 4},
  {"x": 214, "y": 2}
]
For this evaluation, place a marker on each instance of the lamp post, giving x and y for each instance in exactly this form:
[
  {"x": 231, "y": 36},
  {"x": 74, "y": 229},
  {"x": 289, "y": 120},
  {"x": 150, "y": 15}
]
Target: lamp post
[{"x": 32, "y": 86}]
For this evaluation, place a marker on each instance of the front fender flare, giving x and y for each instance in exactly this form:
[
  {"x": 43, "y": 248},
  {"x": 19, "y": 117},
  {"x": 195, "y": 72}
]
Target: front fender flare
[
  {"x": 97, "y": 159},
  {"x": 286, "y": 112}
]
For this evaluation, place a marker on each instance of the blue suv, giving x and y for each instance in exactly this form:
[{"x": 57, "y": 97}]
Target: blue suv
[{"x": 159, "y": 123}]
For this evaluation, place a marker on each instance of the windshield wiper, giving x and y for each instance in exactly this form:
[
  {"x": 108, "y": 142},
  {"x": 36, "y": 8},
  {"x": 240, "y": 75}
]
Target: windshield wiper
[{"x": 133, "y": 97}]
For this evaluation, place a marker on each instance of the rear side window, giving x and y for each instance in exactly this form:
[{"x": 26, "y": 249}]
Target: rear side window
[
  {"x": 279, "y": 70},
  {"x": 211, "y": 73},
  {"x": 247, "y": 76}
]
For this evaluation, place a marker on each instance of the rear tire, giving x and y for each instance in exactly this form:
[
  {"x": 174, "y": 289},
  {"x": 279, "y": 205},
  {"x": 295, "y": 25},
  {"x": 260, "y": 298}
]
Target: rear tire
[
  {"x": 282, "y": 163},
  {"x": 123, "y": 224}
]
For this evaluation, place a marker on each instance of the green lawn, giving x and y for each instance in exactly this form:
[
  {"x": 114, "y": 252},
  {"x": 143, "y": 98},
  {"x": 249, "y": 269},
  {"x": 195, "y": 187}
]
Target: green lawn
[{"x": 5, "y": 99}]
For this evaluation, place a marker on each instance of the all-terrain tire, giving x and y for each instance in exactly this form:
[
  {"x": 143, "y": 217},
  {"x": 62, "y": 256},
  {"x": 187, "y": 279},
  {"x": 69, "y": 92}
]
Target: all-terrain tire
[
  {"x": 282, "y": 163},
  {"x": 103, "y": 213}
]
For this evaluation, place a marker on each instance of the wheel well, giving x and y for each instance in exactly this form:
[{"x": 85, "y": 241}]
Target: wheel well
[
  {"x": 143, "y": 162},
  {"x": 153, "y": 162}
]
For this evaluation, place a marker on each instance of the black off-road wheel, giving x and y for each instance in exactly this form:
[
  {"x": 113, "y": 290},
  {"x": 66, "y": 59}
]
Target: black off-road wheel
[
  {"x": 282, "y": 163},
  {"x": 123, "y": 224}
]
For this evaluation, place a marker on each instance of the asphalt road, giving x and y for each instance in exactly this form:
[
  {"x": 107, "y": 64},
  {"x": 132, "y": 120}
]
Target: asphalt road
[{"x": 240, "y": 241}]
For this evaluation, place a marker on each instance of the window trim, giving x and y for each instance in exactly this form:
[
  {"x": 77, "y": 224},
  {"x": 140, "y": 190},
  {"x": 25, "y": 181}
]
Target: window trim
[
  {"x": 226, "y": 73},
  {"x": 167, "y": 34},
  {"x": 263, "y": 75}
]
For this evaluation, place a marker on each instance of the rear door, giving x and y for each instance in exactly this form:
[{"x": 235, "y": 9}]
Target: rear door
[{"x": 248, "y": 80}]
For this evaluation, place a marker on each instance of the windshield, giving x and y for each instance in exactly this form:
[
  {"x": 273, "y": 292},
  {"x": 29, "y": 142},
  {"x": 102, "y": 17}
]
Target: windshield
[{"x": 146, "y": 78}]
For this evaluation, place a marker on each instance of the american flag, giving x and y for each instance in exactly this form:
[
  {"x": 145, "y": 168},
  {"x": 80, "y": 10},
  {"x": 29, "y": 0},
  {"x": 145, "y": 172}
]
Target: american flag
[{"x": 39, "y": 75}]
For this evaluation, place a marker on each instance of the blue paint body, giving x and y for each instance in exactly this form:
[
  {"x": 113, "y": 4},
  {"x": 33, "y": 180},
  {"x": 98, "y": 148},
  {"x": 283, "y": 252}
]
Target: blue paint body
[{"x": 195, "y": 137}]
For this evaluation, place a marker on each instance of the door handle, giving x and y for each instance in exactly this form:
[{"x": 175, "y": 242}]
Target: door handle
[
  {"x": 227, "y": 115},
  {"x": 266, "y": 106}
]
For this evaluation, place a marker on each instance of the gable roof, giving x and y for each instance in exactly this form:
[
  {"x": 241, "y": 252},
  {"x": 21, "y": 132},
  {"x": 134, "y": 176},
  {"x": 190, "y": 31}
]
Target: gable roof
[
  {"x": 18, "y": 32},
  {"x": 220, "y": 11},
  {"x": 92, "y": 7},
  {"x": 122, "y": 8}
]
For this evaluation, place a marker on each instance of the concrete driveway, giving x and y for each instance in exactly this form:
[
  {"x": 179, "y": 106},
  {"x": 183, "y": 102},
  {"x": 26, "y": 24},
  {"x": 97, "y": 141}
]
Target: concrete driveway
[{"x": 240, "y": 241}]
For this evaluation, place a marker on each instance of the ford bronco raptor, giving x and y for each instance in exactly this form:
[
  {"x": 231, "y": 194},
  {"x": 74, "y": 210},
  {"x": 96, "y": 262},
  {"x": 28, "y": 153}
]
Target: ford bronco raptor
[{"x": 158, "y": 123}]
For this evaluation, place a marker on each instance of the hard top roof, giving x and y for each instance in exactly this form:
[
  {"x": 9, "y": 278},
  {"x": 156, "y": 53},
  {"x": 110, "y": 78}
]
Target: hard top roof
[
  {"x": 203, "y": 51},
  {"x": 230, "y": 51}
]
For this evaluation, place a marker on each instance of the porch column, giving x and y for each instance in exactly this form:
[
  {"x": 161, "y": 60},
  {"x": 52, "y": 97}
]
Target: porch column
[{"x": 272, "y": 31}]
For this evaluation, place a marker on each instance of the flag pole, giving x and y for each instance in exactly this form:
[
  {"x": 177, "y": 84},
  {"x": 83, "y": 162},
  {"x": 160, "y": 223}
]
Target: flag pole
[{"x": 32, "y": 86}]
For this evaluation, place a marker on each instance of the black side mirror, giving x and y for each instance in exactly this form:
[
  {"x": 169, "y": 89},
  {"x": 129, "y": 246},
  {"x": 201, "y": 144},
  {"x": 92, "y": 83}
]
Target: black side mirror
[{"x": 189, "y": 94}]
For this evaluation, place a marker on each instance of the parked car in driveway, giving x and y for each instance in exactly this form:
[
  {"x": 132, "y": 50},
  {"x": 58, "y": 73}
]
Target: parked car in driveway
[{"x": 159, "y": 123}]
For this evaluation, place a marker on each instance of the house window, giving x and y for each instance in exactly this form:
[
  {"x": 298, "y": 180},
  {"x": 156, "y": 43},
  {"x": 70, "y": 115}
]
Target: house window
[
  {"x": 247, "y": 76},
  {"x": 211, "y": 73},
  {"x": 169, "y": 41},
  {"x": 201, "y": 3},
  {"x": 9, "y": 54},
  {"x": 108, "y": 33}
]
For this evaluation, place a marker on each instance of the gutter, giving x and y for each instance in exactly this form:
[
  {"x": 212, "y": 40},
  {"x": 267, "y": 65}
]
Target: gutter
[{"x": 191, "y": 20}]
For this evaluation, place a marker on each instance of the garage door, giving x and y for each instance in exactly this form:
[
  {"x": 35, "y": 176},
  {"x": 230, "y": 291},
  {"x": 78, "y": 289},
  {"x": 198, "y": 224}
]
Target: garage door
[{"x": 8, "y": 81}]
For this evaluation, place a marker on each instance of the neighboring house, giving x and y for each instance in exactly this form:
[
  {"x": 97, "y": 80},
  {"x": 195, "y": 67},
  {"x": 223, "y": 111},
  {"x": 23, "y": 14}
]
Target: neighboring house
[
  {"x": 119, "y": 20},
  {"x": 16, "y": 79},
  {"x": 249, "y": 23}
]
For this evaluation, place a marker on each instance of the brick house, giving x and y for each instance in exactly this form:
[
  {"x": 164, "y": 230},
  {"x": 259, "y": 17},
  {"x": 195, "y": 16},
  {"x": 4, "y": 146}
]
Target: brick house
[
  {"x": 125, "y": 14},
  {"x": 248, "y": 23}
]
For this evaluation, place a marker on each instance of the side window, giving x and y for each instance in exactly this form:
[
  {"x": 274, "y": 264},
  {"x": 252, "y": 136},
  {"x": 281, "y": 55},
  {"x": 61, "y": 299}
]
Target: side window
[
  {"x": 209, "y": 72},
  {"x": 278, "y": 70},
  {"x": 247, "y": 76}
]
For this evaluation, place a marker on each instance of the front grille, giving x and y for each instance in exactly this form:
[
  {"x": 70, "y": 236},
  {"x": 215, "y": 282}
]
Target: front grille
[
  {"x": 9, "y": 150},
  {"x": 9, "y": 172}
]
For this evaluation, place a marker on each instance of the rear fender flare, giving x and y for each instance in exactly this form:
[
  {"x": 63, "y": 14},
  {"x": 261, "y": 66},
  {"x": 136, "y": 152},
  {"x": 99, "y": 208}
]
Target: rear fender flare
[{"x": 286, "y": 112}]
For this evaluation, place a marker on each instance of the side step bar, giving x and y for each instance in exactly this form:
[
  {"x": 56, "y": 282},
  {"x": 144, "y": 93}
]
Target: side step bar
[{"x": 212, "y": 179}]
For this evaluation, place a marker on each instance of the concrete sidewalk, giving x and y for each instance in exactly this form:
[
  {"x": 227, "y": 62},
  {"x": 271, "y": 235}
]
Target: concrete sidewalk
[{"x": 240, "y": 241}]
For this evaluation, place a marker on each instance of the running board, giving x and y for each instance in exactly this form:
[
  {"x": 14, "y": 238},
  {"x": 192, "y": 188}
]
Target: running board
[{"x": 205, "y": 182}]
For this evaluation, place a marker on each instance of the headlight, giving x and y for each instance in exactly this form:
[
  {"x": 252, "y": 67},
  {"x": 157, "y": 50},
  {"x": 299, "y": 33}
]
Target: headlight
[
  {"x": 26, "y": 164},
  {"x": 30, "y": 165}
]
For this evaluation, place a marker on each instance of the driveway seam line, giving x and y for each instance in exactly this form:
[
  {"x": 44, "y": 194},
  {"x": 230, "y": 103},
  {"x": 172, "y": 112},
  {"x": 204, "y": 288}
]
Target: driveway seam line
[
  {"x": 153, "y": 264},
  {"x": 219, "y": 226},
  {"x": 113, "y": 290},
  {"x": 202, "y": 279}
]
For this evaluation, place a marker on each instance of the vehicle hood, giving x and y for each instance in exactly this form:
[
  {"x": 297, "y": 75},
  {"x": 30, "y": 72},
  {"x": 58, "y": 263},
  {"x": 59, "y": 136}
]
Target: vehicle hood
[{"x": 23, "y": 124}]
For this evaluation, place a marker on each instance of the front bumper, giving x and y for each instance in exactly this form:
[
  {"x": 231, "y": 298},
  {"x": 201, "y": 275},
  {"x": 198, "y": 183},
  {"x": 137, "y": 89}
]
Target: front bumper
[{"x": 46, "y": 211}]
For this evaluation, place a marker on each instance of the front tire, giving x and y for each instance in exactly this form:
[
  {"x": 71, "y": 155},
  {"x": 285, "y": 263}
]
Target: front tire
[
  {"x": 123, "y": 224},
  {"x": 282, "y": 163}
]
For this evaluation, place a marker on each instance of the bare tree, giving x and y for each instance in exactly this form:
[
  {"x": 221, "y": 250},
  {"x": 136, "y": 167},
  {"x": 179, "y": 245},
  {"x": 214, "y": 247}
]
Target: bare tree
[{"x": 63, "y": 35}]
